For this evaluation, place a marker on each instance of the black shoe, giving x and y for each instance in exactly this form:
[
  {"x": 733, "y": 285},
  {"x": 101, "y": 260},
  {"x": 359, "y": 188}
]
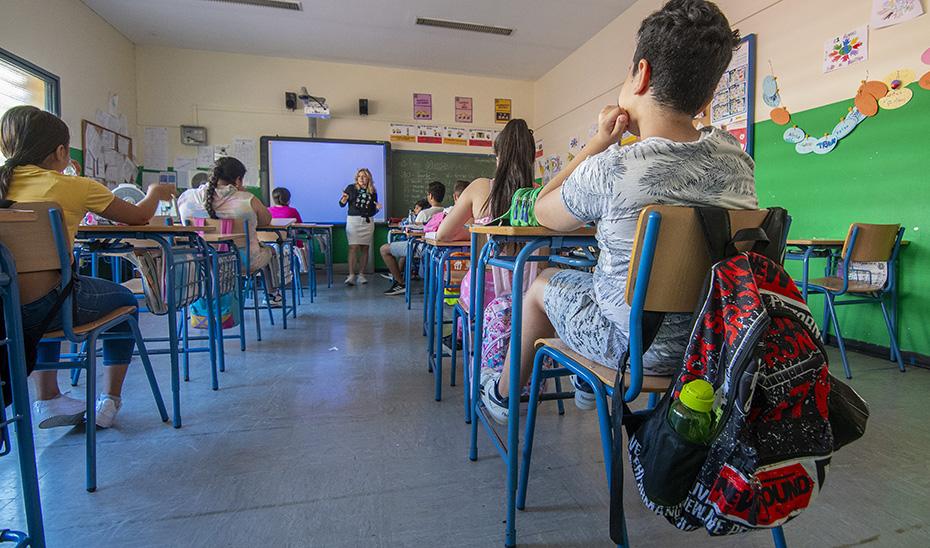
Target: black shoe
[
  {"x": 448, "y": 342},
  {"x": 396, "y": 289}
]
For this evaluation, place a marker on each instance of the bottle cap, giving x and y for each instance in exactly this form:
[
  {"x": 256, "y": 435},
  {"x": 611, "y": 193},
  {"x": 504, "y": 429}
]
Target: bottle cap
[{"x": 697, "y": 395}]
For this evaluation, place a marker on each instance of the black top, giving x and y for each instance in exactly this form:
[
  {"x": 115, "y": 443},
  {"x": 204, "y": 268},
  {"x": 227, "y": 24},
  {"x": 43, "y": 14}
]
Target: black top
[{"x": 361, "y": 203}]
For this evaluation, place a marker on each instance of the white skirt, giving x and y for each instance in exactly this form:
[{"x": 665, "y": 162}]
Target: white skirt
[{"x": 358, "y": 231}]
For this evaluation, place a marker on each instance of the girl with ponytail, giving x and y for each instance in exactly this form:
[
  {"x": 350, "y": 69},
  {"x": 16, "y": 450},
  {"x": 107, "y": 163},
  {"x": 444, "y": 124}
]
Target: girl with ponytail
[
  {"x": 224, "y": 197},
  {"x": 35, "y": 144},
  {"x": 485, "y": 201}
]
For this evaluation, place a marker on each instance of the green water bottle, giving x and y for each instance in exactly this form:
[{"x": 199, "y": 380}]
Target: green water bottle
[{"x": 690, "y": 415}]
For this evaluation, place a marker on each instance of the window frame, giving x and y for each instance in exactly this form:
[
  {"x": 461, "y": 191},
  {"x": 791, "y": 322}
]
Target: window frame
[{"x": 53, "y": 97}]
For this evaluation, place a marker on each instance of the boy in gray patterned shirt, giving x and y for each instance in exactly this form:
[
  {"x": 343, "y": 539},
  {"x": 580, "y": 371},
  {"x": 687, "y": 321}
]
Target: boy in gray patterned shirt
[{"x": 681, "y": 53}]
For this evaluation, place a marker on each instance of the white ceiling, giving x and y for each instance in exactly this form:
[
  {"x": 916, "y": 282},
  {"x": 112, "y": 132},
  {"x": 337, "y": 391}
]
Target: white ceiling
[{"x": 378, "y": 32}]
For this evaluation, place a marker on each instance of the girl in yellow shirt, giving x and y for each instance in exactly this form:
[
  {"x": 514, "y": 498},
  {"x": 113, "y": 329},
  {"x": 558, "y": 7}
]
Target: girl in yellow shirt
[{"x": 36, "y": 145}]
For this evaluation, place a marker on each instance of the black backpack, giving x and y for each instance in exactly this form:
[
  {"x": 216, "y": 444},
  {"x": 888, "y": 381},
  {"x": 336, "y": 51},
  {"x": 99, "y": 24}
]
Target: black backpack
[{"x": 754, "y": 339}]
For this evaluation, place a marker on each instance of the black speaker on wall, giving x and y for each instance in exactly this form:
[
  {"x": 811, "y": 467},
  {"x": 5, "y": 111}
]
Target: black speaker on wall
[
  {"x": 290, "y": 100},
  {"x": 363, "y": 107}
]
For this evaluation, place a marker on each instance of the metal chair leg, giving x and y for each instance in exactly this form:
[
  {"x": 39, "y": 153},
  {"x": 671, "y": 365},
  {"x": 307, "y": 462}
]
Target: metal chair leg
[
  {"x": 149, "y": 372},
  {"x": 90, "y": 426},
  {"x": 831, "y": 309},
  {"x": 893, "y": 336}
]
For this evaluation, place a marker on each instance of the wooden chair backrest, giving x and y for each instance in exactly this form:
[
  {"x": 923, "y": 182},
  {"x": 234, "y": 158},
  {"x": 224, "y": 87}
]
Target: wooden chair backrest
[
  {"x": 681, "y": 261},
  {"x": 32, "y": 243},
  {"x": 874, "y": 243}
]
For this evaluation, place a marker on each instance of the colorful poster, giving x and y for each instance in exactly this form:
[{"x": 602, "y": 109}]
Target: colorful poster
[
  {"x": 403, "y": 133},
  {"x": 503, "y": 110},
  {"x": 480, "y": 138},
  {"x": 422, "y": 106},
  {"x": 846, "y": 49},
  {"x": 539, "y": 149},
  {"x": 430, "y": 135},
  {"x": 455, "y": 136},
  {"x": 891, "y": 12},
  {"x": 464, "y": 114},
  {"x": 731, "y": 107}
]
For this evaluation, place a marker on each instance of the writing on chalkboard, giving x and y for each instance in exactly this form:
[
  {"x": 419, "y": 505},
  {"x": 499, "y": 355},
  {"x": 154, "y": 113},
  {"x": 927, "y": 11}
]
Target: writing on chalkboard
[{"x": 412, "y": 171}]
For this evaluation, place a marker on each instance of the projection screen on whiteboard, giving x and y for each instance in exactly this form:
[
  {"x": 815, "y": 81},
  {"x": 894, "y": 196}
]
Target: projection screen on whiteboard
[{"x": 316, "y": 171}]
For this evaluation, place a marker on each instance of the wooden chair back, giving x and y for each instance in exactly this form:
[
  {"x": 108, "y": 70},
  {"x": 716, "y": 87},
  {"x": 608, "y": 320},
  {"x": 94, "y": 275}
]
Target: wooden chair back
[
  {"x": 32, "y": 245},
  {"x": 874, "y": 243},
  {"x": 681, "y": 260}
]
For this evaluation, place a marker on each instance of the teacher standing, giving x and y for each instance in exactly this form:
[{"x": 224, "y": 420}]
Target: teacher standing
[{"x": 362, "y": 199}]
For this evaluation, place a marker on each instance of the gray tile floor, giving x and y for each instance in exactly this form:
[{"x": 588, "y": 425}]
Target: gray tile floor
[{"x": 327, "y": 435}]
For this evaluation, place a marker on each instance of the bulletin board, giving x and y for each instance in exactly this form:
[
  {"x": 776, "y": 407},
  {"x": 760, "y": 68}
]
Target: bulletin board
[
  {"x": 107, "y": 154},
  {"x": 733, "y": 105}
]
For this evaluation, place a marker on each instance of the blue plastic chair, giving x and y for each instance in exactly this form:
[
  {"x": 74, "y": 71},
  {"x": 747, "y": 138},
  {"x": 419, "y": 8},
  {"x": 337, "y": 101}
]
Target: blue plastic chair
[
  {"x": 864, "y": 243},
  {"x": 9, "y": 296},
  {"x": 48, "y": 232},
  {"x": 681, "y": 266}
]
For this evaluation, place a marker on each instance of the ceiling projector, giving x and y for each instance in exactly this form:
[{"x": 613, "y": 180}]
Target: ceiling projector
[{"x": 314, "y": 107}]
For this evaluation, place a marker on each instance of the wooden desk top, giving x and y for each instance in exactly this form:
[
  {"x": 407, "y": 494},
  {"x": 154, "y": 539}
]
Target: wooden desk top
[
  {"x": 220, "y": 238},
  {"x": 17, "y": 215},
  {"x": 436, "y": 243},
  {"x": 529, "y": 231},
  {"x": 148, "y": 229},
  {"x": 309, "y": 225}
]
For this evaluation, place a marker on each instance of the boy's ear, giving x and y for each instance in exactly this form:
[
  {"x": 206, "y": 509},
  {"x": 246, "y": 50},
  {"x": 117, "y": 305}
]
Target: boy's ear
[{"x": 642, "y": 78}]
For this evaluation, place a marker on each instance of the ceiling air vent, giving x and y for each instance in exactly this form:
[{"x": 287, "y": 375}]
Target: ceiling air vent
[
  {"x": 292, "y": 5},
  {"x": 459, "y": 25}
]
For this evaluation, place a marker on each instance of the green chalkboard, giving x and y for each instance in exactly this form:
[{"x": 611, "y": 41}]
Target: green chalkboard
[
  {"x": 412, "y": 171},
  {"x": 880, "y": 173}
]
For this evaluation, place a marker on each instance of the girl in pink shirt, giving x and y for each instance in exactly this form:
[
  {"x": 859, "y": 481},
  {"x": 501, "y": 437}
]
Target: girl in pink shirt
[{"x": 282, "y": 210}]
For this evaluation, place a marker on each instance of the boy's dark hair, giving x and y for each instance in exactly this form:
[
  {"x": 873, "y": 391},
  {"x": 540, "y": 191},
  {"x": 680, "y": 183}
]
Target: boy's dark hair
[
  {"x": 422, "y": 203},
  {"x": 460, "y": 187},
  {"x": 437, "y": 190},
  {"x": 281, "y": 196},
  {"x": 688, "y": 44}
]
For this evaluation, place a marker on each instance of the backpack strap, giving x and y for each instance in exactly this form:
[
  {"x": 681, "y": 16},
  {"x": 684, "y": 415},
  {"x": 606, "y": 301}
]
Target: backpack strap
[
  {"x": 620, "y": 414},
  {"x": 715, "y": 222}
]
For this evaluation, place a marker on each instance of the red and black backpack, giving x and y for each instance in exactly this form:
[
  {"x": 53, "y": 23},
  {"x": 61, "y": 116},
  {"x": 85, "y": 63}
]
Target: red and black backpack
[{"x": 754, "y": 339}]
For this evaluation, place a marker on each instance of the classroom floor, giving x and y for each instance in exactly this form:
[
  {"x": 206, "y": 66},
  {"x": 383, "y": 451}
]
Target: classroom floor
[{"x": 327, "y": 434}]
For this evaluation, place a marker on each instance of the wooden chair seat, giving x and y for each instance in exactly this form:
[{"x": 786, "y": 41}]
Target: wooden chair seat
[
  {"x": 651, "y": 383},
  {"x": 88, "y": 327},
  {"x": 835, "y": 284}
]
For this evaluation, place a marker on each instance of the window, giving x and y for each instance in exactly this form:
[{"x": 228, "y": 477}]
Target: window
[{"x": 22, "y": 83}]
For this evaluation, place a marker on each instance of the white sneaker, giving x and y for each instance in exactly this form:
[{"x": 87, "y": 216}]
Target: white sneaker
[
  {"x": 494, "y": 403},
  {"x": 584, "y": 394},
  {"x": 350, "y": 280},
  {"x": 61, "y": 410},
  {"x": 107, "y": 408},
  {"x": 362, "y": 279}
]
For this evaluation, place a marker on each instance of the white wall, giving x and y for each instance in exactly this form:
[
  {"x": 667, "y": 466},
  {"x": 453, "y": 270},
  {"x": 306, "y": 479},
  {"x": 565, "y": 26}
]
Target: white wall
[
  {"x": 236, "y": 95},
  {"x": 790, "y": 33},
  {"x": 69, "y": 40}
]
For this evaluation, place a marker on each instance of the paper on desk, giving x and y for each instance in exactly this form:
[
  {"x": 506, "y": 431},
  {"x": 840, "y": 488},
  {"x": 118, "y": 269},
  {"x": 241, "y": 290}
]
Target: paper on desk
[{"x": 155, "y": 148}]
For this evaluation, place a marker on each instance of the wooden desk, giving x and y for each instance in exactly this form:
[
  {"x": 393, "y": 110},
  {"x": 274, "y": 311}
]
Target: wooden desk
[
  {"x": 143, "y": 229},
  {"x": 529, "y": 231},
  {"x": 236, "y": 238},
  {"x": 436, "y": 243},
  {"x": 17, "y": 215}
]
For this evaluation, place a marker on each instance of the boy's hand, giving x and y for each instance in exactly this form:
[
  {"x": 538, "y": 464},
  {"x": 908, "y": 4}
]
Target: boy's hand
[{"x": 611, "y": 123}]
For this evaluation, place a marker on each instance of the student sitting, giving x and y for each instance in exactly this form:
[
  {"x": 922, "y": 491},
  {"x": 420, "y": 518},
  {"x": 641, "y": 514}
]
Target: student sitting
[
  {"x": 681, "y": 53},
  {"x": 483, "y": 202},
  {"x": 36, "y": 145},
  {"x": 394, "y": 254},
  {"x": 281, "y": 197},
  {"x": 223, "y": 197}
]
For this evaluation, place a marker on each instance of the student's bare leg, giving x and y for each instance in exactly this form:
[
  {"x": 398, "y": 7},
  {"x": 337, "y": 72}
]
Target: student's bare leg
[
  {"x": 536, "y": 325},
  {"x": 362, "y": 258},
  {"x": 46, "y": 384},
  {"x": 393, "y": 265},
  {"x": 353, "y": 250},
  {"x": 113, "y": 377}
]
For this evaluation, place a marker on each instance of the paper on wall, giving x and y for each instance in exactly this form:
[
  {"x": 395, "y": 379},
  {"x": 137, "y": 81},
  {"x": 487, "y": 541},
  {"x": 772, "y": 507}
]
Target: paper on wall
[
  {"x": 886, "y": 13},
  {"x": 113, "y": 105},
  {"x": 148, "y": 178},
  {"x": 107, "y": 140},
  {"x": 155, "y": 148},
  {"x": 245, "y": 151},
  {"x": 184, "y": 164},
  {"x": 205, "y": 157},
  {"x": 129, "y": 170},
  {"x": 846, "y": 49},
  {"x": 122, "y": 145},
  {"x": 123, "y": 124}
]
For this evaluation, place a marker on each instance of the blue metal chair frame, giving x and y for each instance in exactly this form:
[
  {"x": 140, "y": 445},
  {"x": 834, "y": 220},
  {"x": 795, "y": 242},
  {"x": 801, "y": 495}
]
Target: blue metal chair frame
[
  {"x": 601, "y": 391},
  {"x": 840, "y": 267},
  {"x": 306, "y": 236},
  {"x": 215, "y": 256},
  {"x": 490, "y": 256},
  {"x": 250, "y": 281},
  {"x": 176, "y": 256},
  {"x": 88, "y": 359},
  {"x": 284, "y": 245},
  {"x": 22, "y": 418},
  {"x": 412, "y": 245},
  {"x": 440, "y": 280}
]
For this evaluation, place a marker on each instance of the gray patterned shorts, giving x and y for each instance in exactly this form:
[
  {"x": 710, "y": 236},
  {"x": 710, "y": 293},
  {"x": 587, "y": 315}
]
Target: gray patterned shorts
[{"x": 578, "y": 320}]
